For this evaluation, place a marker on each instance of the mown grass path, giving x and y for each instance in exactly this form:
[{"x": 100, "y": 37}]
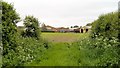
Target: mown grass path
[
  {"x": 60, "y": 54},
  {"x": 61, "y": 51}
]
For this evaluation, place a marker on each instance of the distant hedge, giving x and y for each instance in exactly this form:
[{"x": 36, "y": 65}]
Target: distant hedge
[{"x": 107, "y": 25}]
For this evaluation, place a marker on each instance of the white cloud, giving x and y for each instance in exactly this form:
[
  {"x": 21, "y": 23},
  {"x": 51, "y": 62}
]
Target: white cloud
[{"x": 64, "y": 12}]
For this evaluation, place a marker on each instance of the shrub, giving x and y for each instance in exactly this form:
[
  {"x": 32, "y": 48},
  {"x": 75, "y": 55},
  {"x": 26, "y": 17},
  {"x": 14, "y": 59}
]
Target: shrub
[
  {"x": 9, "y": 20},
  {"x": 98, "y": 52},
  {"x": 18, "y": 50},
  {"x": 106, "y": 25},
  {"x": 102, "y": 48},
  {"x": 27, "y": 50},
  {"x": 32, "y": 27}
]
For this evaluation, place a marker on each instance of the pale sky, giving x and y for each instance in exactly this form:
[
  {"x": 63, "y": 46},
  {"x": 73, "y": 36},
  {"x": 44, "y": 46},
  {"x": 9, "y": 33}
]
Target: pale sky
[{"x": 64, "y": 13}]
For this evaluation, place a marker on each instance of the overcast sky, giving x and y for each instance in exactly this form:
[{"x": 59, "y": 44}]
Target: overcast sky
[{"x": 64, "y": 13}]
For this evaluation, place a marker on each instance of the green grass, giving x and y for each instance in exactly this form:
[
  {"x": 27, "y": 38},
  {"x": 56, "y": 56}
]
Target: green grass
[
  {"x": 85, "y": 52},
  {"x": 62, "y": 50},
  {"x": 60, "y": 54},
  {"x": 64, "y": 37}
]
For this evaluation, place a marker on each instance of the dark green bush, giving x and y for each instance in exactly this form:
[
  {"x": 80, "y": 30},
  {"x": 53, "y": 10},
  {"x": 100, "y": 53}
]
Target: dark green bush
[
  {"x": 106, "y": 25},
  {"x": 31, "y": 27},
  {"x": 9, "y": 20}
]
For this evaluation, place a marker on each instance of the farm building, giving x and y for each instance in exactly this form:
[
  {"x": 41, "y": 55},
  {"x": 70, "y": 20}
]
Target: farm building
[
  {"x": 52, "y": 29},
  {"x": 62, "y": 29},
  {"x": 74, "y": 29},
  {"x": 87, "y": 29},
  {"x": 81, "y": 29},
  {"x": 77, "y": 30},
  {"x": 48, "y": 28}
]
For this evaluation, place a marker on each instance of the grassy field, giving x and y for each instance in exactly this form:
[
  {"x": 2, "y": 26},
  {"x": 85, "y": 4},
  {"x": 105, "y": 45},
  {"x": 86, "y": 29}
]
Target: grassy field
[
  {"x": 59, "y": 54},
  {"x": 65, "y": 50},
  {"x": 64, "y": 37},
  {"x": 62, "y": 51}
]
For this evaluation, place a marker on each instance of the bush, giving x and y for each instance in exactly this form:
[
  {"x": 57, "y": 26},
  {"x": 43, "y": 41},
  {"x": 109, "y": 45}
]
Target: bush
[
  {"x": 98, "y": 52},
  {"x": 27, "y": 50},
  {"x": 32, "y": 27},
  {"x": 18, "y": 50},
  {"x": 9, "y": 20},
  {"x": 106, "y": 25},
  {"x": 102, "y": 48}
]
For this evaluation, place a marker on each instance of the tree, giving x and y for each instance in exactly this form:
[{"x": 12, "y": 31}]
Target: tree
[
  {"x": 76, "y": 26},
  {"x": 9, "y": 20},
  {"x": 71, "y": 27},
  {"x": 31, "y": 27}
]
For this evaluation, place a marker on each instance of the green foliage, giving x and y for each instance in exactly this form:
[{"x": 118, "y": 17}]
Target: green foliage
[
  {"x": 32, "y": 27},
  {"x": 9, "y": 20},
  {"x": 59, "y": 54},
  {"x": 28, "y": 50},
  {"x": 106, "y": 25},
  {"x": 0, "y": 22},
  {"x": 0, "y": 11},
  {"x": 98, "y": 52},
  {"x": 0, "y": 34},
  {"x": 119, "y": 23},
  {"x": 18, "y": 50},
  {"x": 103, "y": 48}
]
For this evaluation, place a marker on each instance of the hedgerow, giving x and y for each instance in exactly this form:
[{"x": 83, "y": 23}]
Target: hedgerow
[
  {"x": 102, "y": 47},
  {"x": 19, "y": 50},
  {"x": 98, "y": 52},
  {"x": 27, "y": 50},
  {"x": 106, "y": 25}
]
